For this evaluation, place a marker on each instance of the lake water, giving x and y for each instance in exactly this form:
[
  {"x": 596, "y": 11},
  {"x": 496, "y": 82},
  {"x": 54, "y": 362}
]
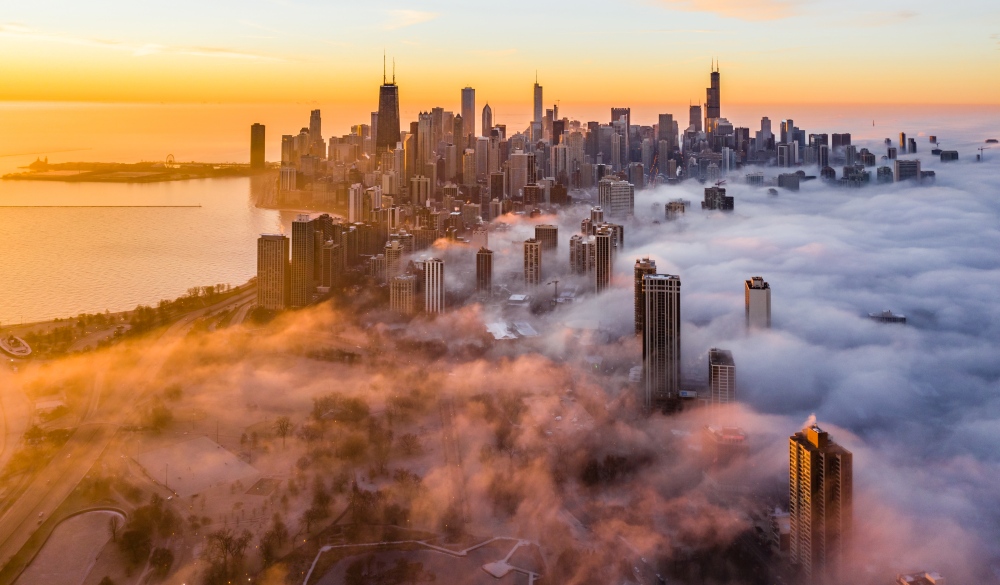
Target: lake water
[{"x": 61, "y": 261}]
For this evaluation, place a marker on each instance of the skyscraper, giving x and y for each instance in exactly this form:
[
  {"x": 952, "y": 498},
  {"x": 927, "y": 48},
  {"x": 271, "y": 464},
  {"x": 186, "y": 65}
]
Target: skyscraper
[
  {"x": 538, "y": 110},
  {"x": 532, "y": 262},
  {"x": 521, "y": 167},
  {"x": 665, "y": 131},
  {"x": 616, "y": 198},
  {"x": 303, "y": 260},
  {"x": 402, "y": 292},
  {"x": 694, "y": 118},
  {"x": 458, "y": 136},
  {"x": 643, "y": 266},
  {"x": 387, "y": 134},
  {"x": 257, "y": 146},
  {"x": 661, "y": 342},
  {"x": 604, "y": 260},
  {"x": 721, "y": 376},
  {"x": 484, "y": 270},
  {"x": 315, "y": 127},
  {"x": 469, "y": 112},
  {"x": 273, "y": 272},
  {"x": 820, "y": 502},
  {"x": 713, "y": 101},
  {"x": 758, "y": 303},
  {"x": 905, "y": 170},
  {"x": 487, "y": 119},
  {"x": 548, "y": 235},
  {"x": 434, "y": 285}
]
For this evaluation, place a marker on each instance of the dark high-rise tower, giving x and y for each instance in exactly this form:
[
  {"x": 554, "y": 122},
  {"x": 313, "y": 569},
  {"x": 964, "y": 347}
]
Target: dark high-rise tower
[
  {"x": 821, "y": 502},
  {"x": 469, "y": 111},
  {"x": 694, "y": 118},
  {"x": 387, "y": 134},
  {"x": 713, "y": 101},
  {"x": 257, "y": 146},
  {"x": 538, "y": 112},
  {"x": 315, "y": 126},
  {"x": 661, "y": 343},
  {"x": 484, "y": 270},
  {"x": 487, "y": 120},
  {"x": 458, "y": 137},
  {"x": 643, "y": 267}
]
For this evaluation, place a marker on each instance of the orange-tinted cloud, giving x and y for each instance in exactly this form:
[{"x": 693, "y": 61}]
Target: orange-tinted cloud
[{"x": 741, "y": 9}]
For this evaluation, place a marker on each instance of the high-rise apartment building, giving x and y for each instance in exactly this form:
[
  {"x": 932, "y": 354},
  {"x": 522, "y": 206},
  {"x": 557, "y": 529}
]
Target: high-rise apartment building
[
  {"x": 393, "y": 258},
  {"x": 721, "y": 376},
  {"x": 434, "y": 285},
  {"x": 548, "y": 235},
  {"x": 273, "y": 272},
  {"x": 257, "y": 146},
  {"x": 484, "y": 270},
  {"x": 469, "y": 112},
  {"x": 402, "y": 294},
  {"x": 643, "y": 266},
  {"x": 582, "y": 254},
  {"x": 303, "y": 260},
  {"x": 661, "y": 341},
  {"x": 820, "y": 502},
  {"x": 616, "y": 198},
  {"x": 521, "y": 168},
  {"x": 387, "y": 134},
  {"x": 532, "y": 262},
  {"x": 604, "y": 258},
  {"x": 758, "y": 303}
]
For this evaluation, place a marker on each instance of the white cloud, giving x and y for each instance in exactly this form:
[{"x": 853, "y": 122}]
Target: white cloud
[
  {"x": 18, "y": 31},
  {"x": 403, "y": 18}
]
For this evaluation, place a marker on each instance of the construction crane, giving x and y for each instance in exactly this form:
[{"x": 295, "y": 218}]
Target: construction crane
[
  {"x": 982, "y": 156},
  {"x": 720, "y": 183}
]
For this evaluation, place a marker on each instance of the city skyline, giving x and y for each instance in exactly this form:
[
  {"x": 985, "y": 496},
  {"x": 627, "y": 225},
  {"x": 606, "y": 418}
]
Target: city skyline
[{"x": 269, "y": 317}]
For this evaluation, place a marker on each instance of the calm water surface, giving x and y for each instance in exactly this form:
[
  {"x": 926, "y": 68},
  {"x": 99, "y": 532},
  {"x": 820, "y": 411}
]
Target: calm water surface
[{"x": 61, "y": 261}]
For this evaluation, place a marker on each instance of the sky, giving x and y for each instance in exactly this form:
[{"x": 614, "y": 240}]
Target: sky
[{"x": 642, "y": 51}]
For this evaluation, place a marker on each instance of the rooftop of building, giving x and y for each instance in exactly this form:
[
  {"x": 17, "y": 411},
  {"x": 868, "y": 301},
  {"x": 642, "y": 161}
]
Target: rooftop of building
[
  {"x": 757, "y": 282},
  {"x": 720, "y": 357},
  {"x": 920, "y": 578}
]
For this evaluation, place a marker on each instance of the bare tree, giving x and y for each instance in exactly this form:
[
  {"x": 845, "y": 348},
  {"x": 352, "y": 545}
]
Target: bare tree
[{"x": 283, "y": 426}]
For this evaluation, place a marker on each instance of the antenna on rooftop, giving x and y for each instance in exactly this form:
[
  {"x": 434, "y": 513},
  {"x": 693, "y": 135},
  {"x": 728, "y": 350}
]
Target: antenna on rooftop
[{"x": 383, "y": 66}]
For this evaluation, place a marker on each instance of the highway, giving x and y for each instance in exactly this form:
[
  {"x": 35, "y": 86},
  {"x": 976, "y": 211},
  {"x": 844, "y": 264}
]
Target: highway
[{"x": 50, "y": 487}]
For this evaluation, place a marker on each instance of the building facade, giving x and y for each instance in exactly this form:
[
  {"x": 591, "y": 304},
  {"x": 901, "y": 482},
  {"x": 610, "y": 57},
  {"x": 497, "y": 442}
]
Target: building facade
[
  {"x": 643, "y": 266},
  {"x": 661, "y": 342},
  {"x": 758, "y": 303},
  {"x": 821, "y": 504},
  {"x": 273, "y": 272},
  {"x": 721, "y": 376},
  {"x": 434, "y": 285}
]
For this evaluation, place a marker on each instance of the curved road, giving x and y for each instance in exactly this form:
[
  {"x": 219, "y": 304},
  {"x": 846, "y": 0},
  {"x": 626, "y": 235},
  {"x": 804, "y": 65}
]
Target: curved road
[{"x": 54, "y": 484}]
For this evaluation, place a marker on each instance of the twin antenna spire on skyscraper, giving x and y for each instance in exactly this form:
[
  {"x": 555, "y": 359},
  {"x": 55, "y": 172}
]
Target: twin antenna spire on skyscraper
[{"x": 393, "y": 69}]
